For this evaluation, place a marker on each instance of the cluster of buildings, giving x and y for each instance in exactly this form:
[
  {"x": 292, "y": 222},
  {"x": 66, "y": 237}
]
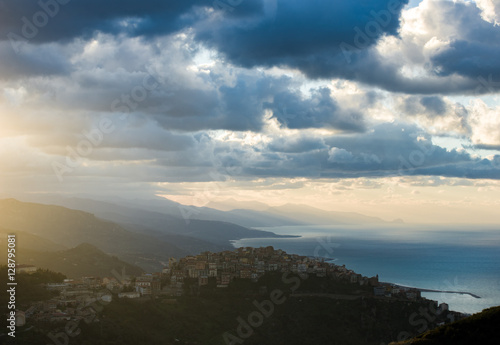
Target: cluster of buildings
[
  {"x": 395, "y": 291},
  {"x": 76, "y": 300},
  {"x": 78, "y": 296},
  {"x": 252, "y": 263},
  {"x": 26, "y": 268}
]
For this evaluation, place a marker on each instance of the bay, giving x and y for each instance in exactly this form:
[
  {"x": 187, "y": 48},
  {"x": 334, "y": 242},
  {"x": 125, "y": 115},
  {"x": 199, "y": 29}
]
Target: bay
[{"x": 437, "y": 258}]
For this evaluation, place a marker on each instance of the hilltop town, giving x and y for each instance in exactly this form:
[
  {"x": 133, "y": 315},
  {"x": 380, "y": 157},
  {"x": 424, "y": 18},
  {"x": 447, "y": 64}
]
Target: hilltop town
[{"x": 79, "y": 299}]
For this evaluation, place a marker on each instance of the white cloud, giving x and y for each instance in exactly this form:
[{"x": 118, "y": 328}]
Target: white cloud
[
  {"x": 485, "y": 123},
  {"x": 490, "y": 10},
  {"x": 336, "y": 155}
]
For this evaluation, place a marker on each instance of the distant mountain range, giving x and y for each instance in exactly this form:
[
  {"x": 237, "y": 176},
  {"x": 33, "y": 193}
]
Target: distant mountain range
[
  {"x": 147, "y": 232},
  {"x": 29, "y": 241},
  {"x": 146, "y": 239},
  {"x": 246, "y": 214},
  {"x": 71, "y": 228},
  {"x": 292, "y": 214}
]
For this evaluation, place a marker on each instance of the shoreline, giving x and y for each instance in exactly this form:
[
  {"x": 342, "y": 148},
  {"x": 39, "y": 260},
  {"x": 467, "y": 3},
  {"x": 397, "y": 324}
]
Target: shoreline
[{"x": 440, "y": 291}]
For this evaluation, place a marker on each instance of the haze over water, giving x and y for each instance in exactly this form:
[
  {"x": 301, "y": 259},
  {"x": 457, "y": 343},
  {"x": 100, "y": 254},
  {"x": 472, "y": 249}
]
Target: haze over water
[{"x": 440, "y": 259}]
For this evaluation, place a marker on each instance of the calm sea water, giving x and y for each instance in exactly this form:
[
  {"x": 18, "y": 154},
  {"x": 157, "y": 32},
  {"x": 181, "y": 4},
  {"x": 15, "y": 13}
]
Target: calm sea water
[{"x": 438, "y": 259}]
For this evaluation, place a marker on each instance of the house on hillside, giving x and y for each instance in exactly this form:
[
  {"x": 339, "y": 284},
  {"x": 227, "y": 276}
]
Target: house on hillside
[
  {"x": 133, "y": 294},
  {"x": 26, "y": 269}
]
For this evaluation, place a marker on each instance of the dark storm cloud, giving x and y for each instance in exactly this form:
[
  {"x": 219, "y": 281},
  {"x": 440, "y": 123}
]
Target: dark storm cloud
[
  {"x": 487, "y": 147},
  {"x": 471, "y": 59},
  {"x": 319, "y": 111},
  {"x": 387, "y": 150},
  {"x": 434, "y": 105},
  {"x": 237, "y": 107},
  {"x": 391, "y": 149},
  {"x": 63, "y": 20},
  {"x": 475, "y": 46},
  {"x": 47, "y": 60},
  {"x": 333, "y": 40},
  {"x": 477, "y": 169},
  {"x": 321, "y": 38},
  {"x": 310, "y": 35},
  {"x": 242, "y": 106}
]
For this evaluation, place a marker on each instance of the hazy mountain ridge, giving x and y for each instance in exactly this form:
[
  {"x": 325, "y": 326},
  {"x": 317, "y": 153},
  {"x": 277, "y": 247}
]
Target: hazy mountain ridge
[
  {"x": 146, "y": 240},
  {"x": 233, "y": 204},
  {"x": 71, "y": 227},
  {"x": 176, "y": 215},
  {"x": 288, "y": 214},
  {"x": 31, "y": 242},
  {"x": 261, "y": 216},
  {"x": 292, "y": 214},
  {"x": 147, "y": 237},
  {"x": 170, "y": 222},
  {"x": 219, "y": 232},
  {"x": 312, "y": 215}
]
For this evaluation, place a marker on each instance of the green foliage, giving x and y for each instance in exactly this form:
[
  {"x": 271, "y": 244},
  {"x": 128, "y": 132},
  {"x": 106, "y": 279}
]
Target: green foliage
[
  {"x": 29, "y": 286},
  {"x": 207, "y": 313},
  {"x": 480, "y": 328}
]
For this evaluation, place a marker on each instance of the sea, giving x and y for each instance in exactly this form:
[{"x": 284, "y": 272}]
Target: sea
[{"x": 464, "y": 259}]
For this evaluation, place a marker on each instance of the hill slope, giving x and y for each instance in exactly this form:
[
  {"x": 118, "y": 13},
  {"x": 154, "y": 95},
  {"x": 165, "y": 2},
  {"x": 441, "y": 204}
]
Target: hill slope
[
  {"x": 71, "y": 228},
  {"x": 29, "y": 241},
  {"x": 83, "y": 260},
  {"x": 480, "y": 328}
]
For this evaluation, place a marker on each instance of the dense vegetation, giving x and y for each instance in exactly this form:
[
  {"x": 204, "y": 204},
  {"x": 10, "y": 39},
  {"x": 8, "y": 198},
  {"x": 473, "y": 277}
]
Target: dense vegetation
[
  {"x": 481, "y": 328},
  {"x": 320, "y": 311},
  {"x": 29, "y": 287}
]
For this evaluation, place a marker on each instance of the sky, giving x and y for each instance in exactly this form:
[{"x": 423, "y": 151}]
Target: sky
[{"x": 387, "y": 108}]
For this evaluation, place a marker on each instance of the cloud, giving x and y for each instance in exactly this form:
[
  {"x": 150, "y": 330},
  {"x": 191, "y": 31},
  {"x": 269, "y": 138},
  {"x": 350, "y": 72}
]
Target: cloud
[
  {"x": 260, "y": 92},
  {"x": 470, "y": 59},
  {"x": 438, "y": 115},
  {"x": 433, "y": 105},
  {"x": 298, "y": 144},
  {"x": 242, "y": 106},
  {"x": 428, "y": 54},
  {"x": 433, "y": 48},
  {"x": 43, "y": 60},
  {"x": 308, "y": 35},
  {"x": 386, "y": 150},
  {"x": 429, "y": 105},
  {"x": 302, "y": 33},
  {"x": 319, "y": 111},
  {"x": 485, "y": 124},
  {"x": 130, "y": 76},
  {"x": 490, "y": 10},
  {"x": 358, "y": 40},
  {"x": 392, "y": 149},
  {"x": 336, "y": 155},
  {"x": 65, "y": 20}
]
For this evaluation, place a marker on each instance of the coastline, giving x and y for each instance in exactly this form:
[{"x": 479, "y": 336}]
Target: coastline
[{"x": 431, "y": 290}]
